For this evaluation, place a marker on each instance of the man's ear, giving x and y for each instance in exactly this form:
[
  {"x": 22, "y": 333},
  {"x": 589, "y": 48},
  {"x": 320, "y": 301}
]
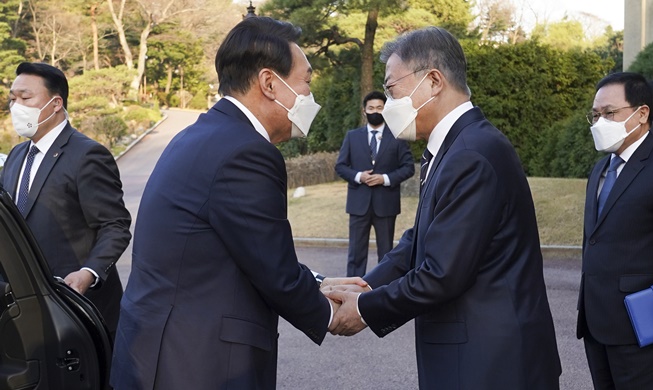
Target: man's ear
[
  {"x": 437, "y": 80},
  {"x": 58, "y": 103},
  {"x": 265, "y": 83},
  {"x": 645, "y": 111}
]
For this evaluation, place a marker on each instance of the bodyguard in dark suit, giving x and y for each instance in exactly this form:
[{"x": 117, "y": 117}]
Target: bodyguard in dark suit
[
  {"x": 214, "y": 263},
  {"x": 618, "y": 233},
  {"x": 68, "y": 188},
  {"x": 470, "y": 271},
  {"x": 374, "y": 164}
]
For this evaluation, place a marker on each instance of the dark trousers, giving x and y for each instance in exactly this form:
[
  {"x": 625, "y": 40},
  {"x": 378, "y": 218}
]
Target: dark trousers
[
  {"x": 619, "y": 367},
  {"x": 359, "y": 237}
]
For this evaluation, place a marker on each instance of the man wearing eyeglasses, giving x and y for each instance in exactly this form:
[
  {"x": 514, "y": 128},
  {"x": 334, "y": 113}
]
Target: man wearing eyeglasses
[
  {"x": 470, "y": 270},
  {"x": 618, "y": 233}
]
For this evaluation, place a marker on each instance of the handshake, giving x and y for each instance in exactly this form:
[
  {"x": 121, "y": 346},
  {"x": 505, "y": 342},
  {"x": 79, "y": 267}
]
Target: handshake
[{"x": 343, "y": 296}]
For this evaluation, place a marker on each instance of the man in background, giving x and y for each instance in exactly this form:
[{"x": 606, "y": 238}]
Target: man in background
[
  {"x": 618, "y": 233},
  {"x": 374, "y": 164},
  {"x": 67, "y": 186}
]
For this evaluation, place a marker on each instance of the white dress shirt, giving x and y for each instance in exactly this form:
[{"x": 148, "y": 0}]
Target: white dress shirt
[
  {"x": 440, "y": 131},
  {"x": 386, "y": 179}
]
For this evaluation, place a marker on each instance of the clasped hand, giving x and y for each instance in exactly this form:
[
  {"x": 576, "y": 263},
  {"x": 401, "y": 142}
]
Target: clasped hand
[
  {"x": 343, "y": 294},
  {"x": 370, "y": 179}
]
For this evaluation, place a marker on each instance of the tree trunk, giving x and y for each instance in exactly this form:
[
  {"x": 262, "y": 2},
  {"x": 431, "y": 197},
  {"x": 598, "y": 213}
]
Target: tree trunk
[
  {"x": 117, "y": 21},
  {"x": 169, "y": 81},
  {"x": 367, "y": 52},
  {"x": 14, "y": 31},
  {"x": 96, "y": 44},
  {"x": 142, "y": 56},
  {"x": 37, "y": 33},
  {"x": 53, "y": 60}
]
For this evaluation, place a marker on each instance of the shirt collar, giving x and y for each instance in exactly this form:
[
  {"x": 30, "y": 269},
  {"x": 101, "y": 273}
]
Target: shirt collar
[
  {"x": 379, "y": 129},
  {"x": 252, "y": 118},
  {"x": 48, "y": 139},
  {"x": 442, "y": 128},
  {"x": 630, "y": 150}
]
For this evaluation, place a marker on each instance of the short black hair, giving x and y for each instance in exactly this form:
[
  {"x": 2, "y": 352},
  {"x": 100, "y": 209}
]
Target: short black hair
[
  {"x": 374, "y": 95},
  {"x": 53, "y": 78},
  {"x": 254, "y": 44},
  {"x": 637, "y": 90}
]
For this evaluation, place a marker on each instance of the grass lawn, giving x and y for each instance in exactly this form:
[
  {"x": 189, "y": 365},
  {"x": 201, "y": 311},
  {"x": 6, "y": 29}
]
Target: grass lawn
[{"x": 559, "y": 207}]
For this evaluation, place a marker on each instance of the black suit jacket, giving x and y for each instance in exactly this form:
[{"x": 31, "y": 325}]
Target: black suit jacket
[
  {"x": 393, "y": 158},
  {"x": 470, "y": 271},
  {"x": 617, "y": 248},
  {"x": 76, "y": 212},
  {"x": 213, "y": 265}
]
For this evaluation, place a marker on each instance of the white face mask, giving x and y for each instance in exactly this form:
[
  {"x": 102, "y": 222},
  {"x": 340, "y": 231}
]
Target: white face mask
[
  {"x": 26, "y": 119},
  {"x": 400, "y": 115},
  {"x": 302, "y": 112},
  {"x": 609, "y": 136}
]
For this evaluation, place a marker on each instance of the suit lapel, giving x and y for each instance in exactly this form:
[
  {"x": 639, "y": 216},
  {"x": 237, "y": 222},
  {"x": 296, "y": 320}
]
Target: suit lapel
[
  {"x": 12, "y": 174},
  {"x": 50, "y": 158},
  {"x": 591, "y": 208},
  {"x": 385, "y": 141},
  {"x": 362, "y": 144},
  {"x": 632, "y": 168},
  {"x": 473, "y": 115}
]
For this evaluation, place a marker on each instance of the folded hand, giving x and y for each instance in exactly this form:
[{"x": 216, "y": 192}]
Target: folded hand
[{"x": 346, "y": 320}]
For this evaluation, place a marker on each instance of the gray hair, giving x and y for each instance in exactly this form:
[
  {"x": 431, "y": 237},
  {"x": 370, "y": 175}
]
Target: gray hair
[{"x": 428, "y": 48}]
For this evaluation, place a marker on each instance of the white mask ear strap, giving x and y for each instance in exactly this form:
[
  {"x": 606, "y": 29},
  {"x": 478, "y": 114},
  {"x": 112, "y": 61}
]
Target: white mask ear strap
[
  {"x": 418, "y": 108},
  {"x": 286, "y": 84},
  {"x": 418, "y": 84}
]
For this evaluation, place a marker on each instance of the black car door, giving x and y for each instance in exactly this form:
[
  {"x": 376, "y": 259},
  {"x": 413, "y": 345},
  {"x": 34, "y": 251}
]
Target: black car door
[{"x": 50, "y": 336}]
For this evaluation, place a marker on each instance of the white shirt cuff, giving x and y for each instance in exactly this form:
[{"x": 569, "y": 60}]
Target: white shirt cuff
[
  {"x": 386, "y": 180},
  {"x": 358, "y": 310},
  {"x": 97, "y": 278},
  {"x": 357, "y": 178}
]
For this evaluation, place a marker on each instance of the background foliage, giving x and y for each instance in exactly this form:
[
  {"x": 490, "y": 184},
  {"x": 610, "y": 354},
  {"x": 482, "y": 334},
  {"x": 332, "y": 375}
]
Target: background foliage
[{"x": 127, "y": 58}]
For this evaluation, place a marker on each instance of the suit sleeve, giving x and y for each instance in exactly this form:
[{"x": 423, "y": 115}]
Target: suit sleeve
[
  {"x": 406, "y": 167},
  {"x": 249, "y": 195},
  {"x": 394, "y": 264},
  {"x": 101, "y": 201},
  {"x": 343, "y": 163},
  {"x": 464, "y": 220}
]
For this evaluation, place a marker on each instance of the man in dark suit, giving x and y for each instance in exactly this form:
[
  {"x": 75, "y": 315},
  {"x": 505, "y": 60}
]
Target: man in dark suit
[
  {"x": 214, "y": 263},
  {"x": 374, "y": 164},
  {"x": 68, "y": 188},
  {"x": 470, "y": 270},
  {"x": 618, "y": 233}
]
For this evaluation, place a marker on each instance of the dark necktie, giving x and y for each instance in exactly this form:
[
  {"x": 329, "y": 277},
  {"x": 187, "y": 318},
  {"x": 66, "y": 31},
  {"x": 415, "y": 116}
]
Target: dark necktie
[
  {"x": 424, "y": 166},
  {"x": 373, "y": 145},
  {"x": 23, "y": 192},
  {"x": 610, "y": 178}
]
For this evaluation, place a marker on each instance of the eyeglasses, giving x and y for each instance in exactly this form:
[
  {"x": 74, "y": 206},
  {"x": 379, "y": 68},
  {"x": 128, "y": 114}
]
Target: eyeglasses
[
  {"x": 387, "y": 87},
  {"x": 593, "y": 116}
]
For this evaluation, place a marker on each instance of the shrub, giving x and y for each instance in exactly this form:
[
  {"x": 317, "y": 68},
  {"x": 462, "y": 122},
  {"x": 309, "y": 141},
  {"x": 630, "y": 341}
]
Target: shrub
[
  {"x": 311, "y": 169},
  {"x": 142, "y": 115}
]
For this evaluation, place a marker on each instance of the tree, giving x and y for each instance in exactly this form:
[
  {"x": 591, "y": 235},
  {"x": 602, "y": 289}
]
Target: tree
[
  {"x": 523, "y": 88},
  {"x": 611, "y": 45},
  {"x": 643, "y": 62},
  {"x": 175, "y": 54},
  {"x": 152, "y": 13},
  {"x": 320, "y": 23},
  {"x": 496, "y": 21},
  {"x": 329, "y": 26},
  {"x": 564, "y": 35}
]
